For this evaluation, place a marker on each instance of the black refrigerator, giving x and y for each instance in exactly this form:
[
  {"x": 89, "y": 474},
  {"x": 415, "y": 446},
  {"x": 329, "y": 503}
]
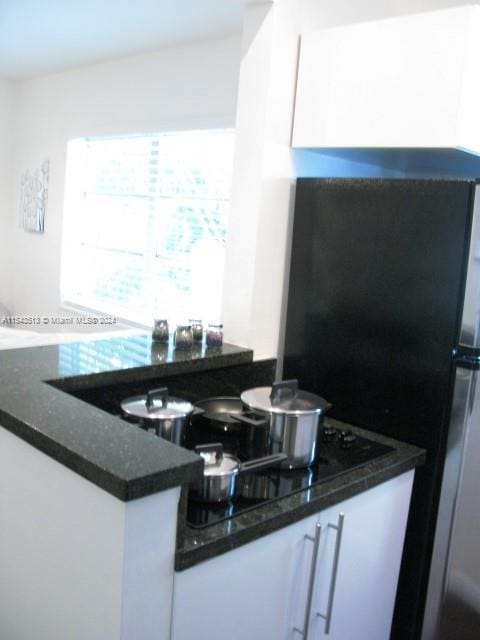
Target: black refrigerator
[{"x": 382, "y": 320}]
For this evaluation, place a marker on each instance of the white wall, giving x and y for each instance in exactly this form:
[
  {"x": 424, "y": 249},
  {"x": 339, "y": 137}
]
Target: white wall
[
  {"x": 5, "y": 190},
  {"x": 193, "y": 86},
  {"x": 263, "y": 177},
  {"x": 264, "y": 166}
]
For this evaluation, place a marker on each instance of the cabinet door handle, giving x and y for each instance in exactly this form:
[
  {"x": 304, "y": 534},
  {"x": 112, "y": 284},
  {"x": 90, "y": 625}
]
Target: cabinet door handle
[
  {"x": 311, "y": 580},
  {"x": 331, "y": 594}
]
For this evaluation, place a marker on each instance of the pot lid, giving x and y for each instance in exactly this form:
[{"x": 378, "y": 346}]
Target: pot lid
[
  {"x": 217, "y": 463},
  {"x": 284, "y": 398},
  {"x": 157, "y": 405}
]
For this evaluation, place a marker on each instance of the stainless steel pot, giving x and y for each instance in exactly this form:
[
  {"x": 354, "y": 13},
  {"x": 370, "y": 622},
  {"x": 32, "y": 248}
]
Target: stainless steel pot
[
  {"x": 224, "y": 419},
  {"x": 294, "y": 422},
  {"x": 222, "y": 471},
  {"x": 160, "y": 413}
]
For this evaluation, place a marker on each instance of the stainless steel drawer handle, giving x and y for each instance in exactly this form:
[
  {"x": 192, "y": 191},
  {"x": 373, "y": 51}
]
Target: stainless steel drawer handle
[
  {"x": 331, "y": 594},
  {"x": 311, "y": 581}
]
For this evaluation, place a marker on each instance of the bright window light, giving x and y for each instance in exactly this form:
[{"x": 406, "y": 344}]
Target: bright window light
[{"x": 145, "y": 225}]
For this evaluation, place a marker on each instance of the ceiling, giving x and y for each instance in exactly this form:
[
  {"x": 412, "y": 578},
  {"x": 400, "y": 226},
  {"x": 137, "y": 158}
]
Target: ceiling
[{"x": 38, "y": 37}]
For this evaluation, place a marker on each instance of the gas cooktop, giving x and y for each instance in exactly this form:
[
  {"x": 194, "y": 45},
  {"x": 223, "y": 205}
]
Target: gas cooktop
[{"x": 341, "y": 452}]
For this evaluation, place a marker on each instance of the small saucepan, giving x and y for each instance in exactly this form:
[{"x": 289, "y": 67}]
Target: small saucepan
[
  {"x": 160, "y": 413},
  {"x": 221, "y": 472}
]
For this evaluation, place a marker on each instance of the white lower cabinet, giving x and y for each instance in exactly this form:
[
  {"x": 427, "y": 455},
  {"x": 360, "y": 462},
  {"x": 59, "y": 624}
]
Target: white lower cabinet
[{"x": 317, "y": 578}]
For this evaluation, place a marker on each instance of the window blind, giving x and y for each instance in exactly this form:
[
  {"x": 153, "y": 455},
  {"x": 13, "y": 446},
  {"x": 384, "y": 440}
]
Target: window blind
[{"x": 145, "y": 224}]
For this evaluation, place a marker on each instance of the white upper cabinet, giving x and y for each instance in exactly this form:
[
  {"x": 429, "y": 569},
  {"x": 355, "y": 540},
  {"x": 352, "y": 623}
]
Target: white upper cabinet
[{"x": 410, "y": 81}]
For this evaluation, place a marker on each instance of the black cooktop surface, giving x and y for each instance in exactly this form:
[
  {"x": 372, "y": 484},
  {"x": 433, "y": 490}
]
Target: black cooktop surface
[{"x": 338, "y": 455}]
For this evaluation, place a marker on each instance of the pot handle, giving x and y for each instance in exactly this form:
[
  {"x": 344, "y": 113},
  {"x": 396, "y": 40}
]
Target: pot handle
[
  {"x": 210, "y": 453},
  {"x": 261, "y": 423},
  {"x": 157, "y": 394},
  {"x": 324, "y": 405},
  {"x": 283, "y": 388},
  {"x": 261, "y": 463}
]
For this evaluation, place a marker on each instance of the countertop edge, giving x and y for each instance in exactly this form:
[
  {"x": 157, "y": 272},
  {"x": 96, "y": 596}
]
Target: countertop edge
[{"x": 124, "y": 490}]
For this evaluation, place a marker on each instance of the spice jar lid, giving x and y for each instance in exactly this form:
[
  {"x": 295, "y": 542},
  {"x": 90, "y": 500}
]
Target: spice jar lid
[{"x": 157, "y": 405}]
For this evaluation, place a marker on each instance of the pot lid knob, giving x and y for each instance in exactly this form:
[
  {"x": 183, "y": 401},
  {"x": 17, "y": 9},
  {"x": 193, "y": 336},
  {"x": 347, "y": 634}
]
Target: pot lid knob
[
  {"x": 157, "y": 394},
  {"x": 286, "y": 389},
  {"x": 212, "y": 454}
]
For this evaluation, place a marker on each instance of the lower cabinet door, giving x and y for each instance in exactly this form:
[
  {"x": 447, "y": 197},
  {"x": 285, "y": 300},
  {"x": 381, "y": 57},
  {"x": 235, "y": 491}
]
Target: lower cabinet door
[
  {"x": 360, "y": 555},
  {"x": 254, "y": 592},
  {"x": 333, "y": 575}
]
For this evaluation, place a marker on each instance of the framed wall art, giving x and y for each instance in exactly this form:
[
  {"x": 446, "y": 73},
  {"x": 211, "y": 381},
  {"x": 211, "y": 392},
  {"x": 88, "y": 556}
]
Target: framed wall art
[{"x": 33, "y": 200}]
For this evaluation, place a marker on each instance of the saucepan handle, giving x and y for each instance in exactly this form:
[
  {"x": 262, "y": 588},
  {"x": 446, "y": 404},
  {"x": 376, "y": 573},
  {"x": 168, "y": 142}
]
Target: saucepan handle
[
  {"x": 261, "y": 423},
  {"x": 283, "y": 389},
  {"x": 157, "y": 394},
  {"x": 262, "y": 463}
]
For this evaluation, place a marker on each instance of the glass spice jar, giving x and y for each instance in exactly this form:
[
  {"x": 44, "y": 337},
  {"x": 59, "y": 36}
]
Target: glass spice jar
[
  {"x": 196, "y": 351},
  {"x": 214, "y": 335},
  {"x": 160, "y": 331},
  {"x": 197, "y": 330},
  {"x": 183, "y": 337},
  {"x": 159, "y": 352}
]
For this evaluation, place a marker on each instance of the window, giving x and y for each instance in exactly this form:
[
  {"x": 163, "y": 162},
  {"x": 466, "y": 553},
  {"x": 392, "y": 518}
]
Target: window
[{"x": 145, "y": 224}]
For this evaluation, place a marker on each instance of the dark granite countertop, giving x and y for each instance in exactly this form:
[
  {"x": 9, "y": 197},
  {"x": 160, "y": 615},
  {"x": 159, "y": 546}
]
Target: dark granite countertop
[
  {"x": 197, "y": 545},
  {"x": 35, "y": 405},
  {"x": 38, "y": 403}
]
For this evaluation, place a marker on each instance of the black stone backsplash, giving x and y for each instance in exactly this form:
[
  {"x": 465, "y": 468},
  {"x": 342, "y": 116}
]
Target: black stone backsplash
[{"x": 228, "y": 381}]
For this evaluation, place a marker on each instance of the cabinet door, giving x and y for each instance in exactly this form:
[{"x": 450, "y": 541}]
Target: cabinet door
[
  {"x": 250, "y": 593},
  {"x": 369, "y": 556},
  {"x": 280, "y": 586},
  {"x": 349, "y": 96}
]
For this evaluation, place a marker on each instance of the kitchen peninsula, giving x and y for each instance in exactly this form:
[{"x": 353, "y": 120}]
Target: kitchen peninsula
[{"x": 93, "y": 540}]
